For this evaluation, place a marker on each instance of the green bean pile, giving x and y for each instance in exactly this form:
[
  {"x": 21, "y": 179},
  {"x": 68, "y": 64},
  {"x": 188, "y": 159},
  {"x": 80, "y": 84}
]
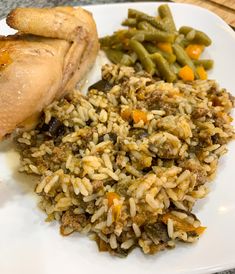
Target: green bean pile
[{"x": 137, "y": 45}]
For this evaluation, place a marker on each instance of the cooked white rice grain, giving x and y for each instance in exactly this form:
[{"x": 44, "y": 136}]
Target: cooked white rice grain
[
  {"x": 132, "y": 207},
  {"x": 113, "y": 241},
  {"x": 136, "y": 230},
  {"x": 127, "y": 244},
  {"x": 98, "y": 214},
  {"x": 51, "y": 183},
  {"x": 170, "y": 228},
  {"x": 152, "y": 202}
]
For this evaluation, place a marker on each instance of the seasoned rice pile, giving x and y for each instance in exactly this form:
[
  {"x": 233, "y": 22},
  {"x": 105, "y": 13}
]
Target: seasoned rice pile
[{"x": 126, "y": 163}]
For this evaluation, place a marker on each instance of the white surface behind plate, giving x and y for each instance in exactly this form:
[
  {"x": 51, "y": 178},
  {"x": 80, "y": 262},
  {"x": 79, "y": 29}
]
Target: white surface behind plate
[{"x": 29, "y": 245}]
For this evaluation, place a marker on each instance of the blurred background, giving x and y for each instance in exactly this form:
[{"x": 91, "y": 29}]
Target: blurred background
[{"x": 6, "y": 5}]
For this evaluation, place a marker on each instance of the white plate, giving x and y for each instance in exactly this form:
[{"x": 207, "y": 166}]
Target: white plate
[{"x": 29, "y": 245}]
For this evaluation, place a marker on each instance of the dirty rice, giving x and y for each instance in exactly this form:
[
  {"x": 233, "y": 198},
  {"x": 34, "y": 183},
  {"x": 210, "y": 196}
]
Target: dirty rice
[{"x": 126, "y": 163}]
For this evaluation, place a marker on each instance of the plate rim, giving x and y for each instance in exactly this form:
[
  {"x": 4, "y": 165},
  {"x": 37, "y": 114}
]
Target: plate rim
[{"x": 150, "y": 3}]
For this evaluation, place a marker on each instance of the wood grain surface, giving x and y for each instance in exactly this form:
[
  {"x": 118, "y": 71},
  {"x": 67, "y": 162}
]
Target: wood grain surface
[
  {"x": 225, "y": 3},
  {"x": 224, "y": 8}
]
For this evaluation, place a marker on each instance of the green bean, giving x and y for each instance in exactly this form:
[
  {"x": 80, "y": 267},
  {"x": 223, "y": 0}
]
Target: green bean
[
  {"x": 163, "y": 67},
  {"x": 168, "y": 24},
  {"x": 175, "y": 67},
  {"x": 200, "y": 37},
  {"x": 143, "y": 25},
  {"x": 157, "y": 35},
  {"x": 181, "y": 40},
  {"x": 116, "y": 38},
  {"x": 191, "y": 35},
  {"x": 111, "y": 41},
  {"x": 129, "y": 22},
  {"x": 184, "y": 43},
  {"x": 150, "y": 47},
  {"x": 140, "y": 35},
  {"x": 118, "y": 57},
  {"x": 106, "y": 41},
  {"x": 119, "y": 46},
  {"x": 182, "y": 57},
  {"x": 143, "y": 56},
  {"x": 206, "y": 63},
  {"x": 165, "y": 12},
  {"x": 141, "y": 16},
  {"x": 113, "y": 44},
  {"x": 170, "y": 57}
]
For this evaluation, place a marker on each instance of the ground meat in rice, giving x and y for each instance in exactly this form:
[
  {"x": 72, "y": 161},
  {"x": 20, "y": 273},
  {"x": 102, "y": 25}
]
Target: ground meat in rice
[{"x": 127, "y": 162}]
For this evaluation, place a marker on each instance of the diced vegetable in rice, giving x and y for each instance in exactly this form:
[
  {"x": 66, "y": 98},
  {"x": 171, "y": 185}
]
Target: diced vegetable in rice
[{"x": 127, "y": 163}]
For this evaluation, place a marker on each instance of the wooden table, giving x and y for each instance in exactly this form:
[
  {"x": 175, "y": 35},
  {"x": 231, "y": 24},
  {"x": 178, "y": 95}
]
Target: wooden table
[{"x": 224, "y": 8}]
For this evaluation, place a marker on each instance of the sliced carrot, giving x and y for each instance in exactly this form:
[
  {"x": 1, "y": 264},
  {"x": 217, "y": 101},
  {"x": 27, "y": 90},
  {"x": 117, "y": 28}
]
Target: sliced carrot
[
  {"x": 116, "y": 212},
  {"x": 199, "y": 230},
  {"x": 194, "y": 51},
  {"x": 186, "y": 73},
  {"x": 111, "y": 196},
  {"x": 201, "y": 72},
  {"x": 179, "y": 224},
  {"x": 164, "y": 46},
  {"x": 139, "y": 115},
  {"x": 126, "y": 114}
]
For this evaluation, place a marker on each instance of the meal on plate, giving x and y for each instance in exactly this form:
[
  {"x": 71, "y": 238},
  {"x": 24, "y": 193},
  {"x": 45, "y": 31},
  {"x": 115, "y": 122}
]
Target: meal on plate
[
  {"x": 154, "y": 44},
  {"x": 52, "y": 51},
  {"x": 126, "y": 162}
]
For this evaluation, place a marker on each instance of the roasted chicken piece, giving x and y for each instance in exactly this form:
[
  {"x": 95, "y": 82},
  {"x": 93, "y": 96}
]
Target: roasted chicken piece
[{"x": 51, "y": 53}]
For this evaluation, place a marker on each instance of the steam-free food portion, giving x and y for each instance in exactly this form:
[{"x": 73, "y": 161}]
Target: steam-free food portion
[
  {"x": 126, "y": 163},
  {"x": 54, "y": 49},
  {"x": 155, "y": 45}
]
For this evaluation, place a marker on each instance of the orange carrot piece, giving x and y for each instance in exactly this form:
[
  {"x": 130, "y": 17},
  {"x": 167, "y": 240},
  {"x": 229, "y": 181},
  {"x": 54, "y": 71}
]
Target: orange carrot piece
[
  {"x": 116, "y": 209},
  {"x": 164, "y": 46},
  {"x": 116, "y": 212},
  {"x": 111, "y": 196},
  {"x": 179, "y": 224},
  {"x": 186, "y": 73},
  {"x": 139, "y": 115},
  {"x": 201, "y": 73},
  {"x": 194, "y": 51},
  {"x": 199, "y": 230}
]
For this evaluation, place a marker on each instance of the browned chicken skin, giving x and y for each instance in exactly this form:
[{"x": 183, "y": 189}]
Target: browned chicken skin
[{"x": 54, "y": 49}]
